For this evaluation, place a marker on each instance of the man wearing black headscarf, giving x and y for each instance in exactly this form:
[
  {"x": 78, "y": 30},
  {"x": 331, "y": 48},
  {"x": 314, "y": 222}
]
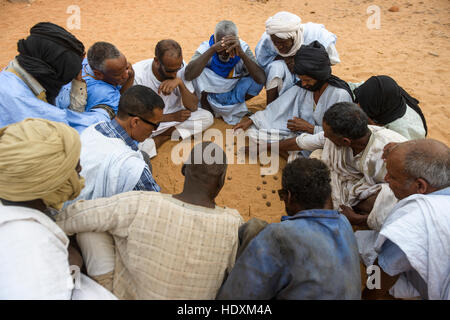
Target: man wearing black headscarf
[
  {"x": 313, "y": 67},
  {"x": 52, "y": 56},
  {"x": 389, "y": 105},
  {"x": 48, "y": 58},
  {"x": 301, "y": 108}
]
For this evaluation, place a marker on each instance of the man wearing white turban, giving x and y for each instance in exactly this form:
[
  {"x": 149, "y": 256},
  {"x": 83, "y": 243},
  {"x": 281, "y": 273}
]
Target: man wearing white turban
[
  {"x": 39, "y": 171},
  {"x": 276, "y": 49}
]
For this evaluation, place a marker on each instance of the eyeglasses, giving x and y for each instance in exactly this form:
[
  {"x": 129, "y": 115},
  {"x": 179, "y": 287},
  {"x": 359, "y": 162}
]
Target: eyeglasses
[
  {"x": 155, "y": 125},
  {"x": 171, "y": 71},
  {"x": 282, "y": 193}
]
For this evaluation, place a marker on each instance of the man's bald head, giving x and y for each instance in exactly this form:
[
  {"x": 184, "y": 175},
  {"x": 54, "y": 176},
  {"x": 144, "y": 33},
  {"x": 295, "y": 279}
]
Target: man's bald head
[
  {"x": 428, "y": 159},
  {"x": 169, "y": 47},
  {"x": 206, "y": 165},
  {"x": 418, "y": 166}
]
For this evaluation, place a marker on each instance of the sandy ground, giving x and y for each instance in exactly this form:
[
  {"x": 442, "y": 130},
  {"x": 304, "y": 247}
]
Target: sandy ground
[{"x": 412, "y": 46}]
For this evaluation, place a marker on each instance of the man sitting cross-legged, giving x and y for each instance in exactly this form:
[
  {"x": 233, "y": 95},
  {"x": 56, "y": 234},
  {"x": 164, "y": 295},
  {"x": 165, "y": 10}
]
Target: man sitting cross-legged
[
  {"x": 311, "y": 254},
  {"x": 353, "y": 149},
  {"x": 165, "y": 75},
  {"x": 225, "y": 73},
  {"x": 275, "y": 51},
  {"x": 167, "y": 246},
  {"x": 301, "y": 108}
]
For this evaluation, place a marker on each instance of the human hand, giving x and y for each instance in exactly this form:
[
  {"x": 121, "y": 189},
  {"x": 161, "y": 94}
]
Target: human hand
[
  {"x": 298, "y": 124},
  {"x": 219, "y": 46},
  {"x": 233, "y": 45},
  {"x": 244, "y": 125},
  {"x": 181, "y": 115},
  {"x": 351, "y": 215},
  {"x": 167, "y": 86}
]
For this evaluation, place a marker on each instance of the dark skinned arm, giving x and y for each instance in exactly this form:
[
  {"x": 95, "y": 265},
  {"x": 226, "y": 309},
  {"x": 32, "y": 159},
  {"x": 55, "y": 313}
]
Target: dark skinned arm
[
  {"x": 233, "y": 46},
  {"x": 271, "y": 95},
  {"x": 190, "y": 100},
  {"x": 195, "y": 67},
  {"x": 386, "y": 283},
  {"x": 355, "y": 218},
  {"x": 179, "y": 116}
]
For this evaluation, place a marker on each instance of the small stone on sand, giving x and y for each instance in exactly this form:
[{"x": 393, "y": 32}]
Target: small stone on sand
[
  {"x": 273, "y": 191},
  {"x": 258, "y": 188},
  {"x": 264, "y": 196},
  {"x": 394, "y": 9},
  {"x": 275, "y": 177},
  {"x": 268, "y": 203},
  {"x": 264, "y": 182},
  {"x": 229, "y": 178}
]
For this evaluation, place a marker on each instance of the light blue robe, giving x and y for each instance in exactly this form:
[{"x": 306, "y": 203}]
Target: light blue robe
[
  {"x": 98, "y": 91},
  {"x": 17, "y": 102}
]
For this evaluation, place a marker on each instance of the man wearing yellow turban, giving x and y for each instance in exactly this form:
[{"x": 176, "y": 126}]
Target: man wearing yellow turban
[{"x": 39, "y": 171}]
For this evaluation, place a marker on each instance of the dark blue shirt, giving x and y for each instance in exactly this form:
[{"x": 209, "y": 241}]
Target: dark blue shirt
[{"x": 311, "y": 255}]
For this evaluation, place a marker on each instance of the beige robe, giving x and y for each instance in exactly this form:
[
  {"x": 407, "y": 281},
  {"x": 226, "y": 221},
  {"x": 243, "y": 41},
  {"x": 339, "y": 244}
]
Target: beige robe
[
  {"x": 165, "y": 248},
  {"x": 355, "y": 178}
]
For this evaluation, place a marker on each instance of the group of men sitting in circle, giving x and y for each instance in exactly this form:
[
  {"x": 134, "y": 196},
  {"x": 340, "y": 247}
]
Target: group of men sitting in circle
[{"x": 78, "y": 191}]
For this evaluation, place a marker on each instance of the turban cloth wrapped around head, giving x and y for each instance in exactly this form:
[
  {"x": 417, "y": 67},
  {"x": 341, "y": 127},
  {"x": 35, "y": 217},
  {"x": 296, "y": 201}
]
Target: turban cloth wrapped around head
[
  {"x": 38, "y": 161},
  {"x": 286, "y": 25},
  {"x": 384, "y": 101},
  {"x": 52, "y": 55},
  {"x": 312, "y": 60}
]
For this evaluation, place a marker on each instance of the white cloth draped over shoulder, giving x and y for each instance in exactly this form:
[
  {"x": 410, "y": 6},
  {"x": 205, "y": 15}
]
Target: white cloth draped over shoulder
[
  {"x": 420, "y": 226},
  {"x": 34, "y": 262},
  {"x": 108, "y": 165},
  {"x": 355, "y": 178},
  {"x": 296, "y": 102},
  {"x": 277, "y": 72}
]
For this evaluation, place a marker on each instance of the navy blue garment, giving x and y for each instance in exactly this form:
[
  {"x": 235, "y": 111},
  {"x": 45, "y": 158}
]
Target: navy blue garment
[{"x": 311, "y": 255}]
